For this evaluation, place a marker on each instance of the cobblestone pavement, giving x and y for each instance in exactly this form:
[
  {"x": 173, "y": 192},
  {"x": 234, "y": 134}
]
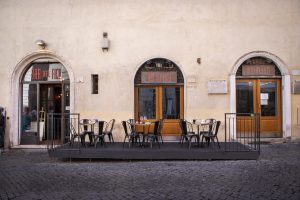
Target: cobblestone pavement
[{"x": 31, "y": 174}]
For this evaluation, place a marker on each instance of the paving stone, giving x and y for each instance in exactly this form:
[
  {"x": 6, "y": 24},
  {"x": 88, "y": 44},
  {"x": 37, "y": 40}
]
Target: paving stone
[{"x": 31, "y": 174}]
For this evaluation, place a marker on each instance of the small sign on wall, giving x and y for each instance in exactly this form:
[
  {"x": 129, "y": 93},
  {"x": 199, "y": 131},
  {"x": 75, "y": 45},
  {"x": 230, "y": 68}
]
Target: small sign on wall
[{"x": 217, "y": 87}]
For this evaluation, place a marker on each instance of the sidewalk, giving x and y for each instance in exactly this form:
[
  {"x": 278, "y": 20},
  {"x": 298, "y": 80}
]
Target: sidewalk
[{"x": 31, "y": 174}]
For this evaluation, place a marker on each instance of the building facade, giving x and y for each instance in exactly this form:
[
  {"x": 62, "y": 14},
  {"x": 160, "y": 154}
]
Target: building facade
[{"x": 165, "y": 59}]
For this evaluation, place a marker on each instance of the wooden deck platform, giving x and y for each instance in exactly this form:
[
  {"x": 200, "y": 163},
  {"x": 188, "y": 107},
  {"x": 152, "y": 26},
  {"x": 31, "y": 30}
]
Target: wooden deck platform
[{"x": 167, "y": 151}]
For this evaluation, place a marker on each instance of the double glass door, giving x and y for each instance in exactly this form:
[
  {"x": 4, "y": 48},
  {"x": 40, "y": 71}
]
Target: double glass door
[
  {"x": 261, "y": 96},
  {"x": 160, "y": 102},
  {"x": 39, "y": 99}
]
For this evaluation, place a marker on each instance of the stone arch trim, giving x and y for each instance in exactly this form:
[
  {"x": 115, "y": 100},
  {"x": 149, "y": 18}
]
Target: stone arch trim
[
  {"x": 279, "y": 63},
  {"x": 286, "y": 87},
  {"x": 15, "y": 85},
  {"x": 159, "y": 57},
  {"x": 179, "y": 67}
]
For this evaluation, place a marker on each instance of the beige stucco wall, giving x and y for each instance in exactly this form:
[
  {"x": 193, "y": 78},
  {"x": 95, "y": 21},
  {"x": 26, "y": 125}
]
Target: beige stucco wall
[{"x": 217, "y": 31}]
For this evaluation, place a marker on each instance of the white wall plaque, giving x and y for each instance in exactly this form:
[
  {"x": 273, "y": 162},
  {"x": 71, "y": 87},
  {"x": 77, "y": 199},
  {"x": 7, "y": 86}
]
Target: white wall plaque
[
  {"x": 217, "y": 87},
  {"x": 295, "y": 72}
]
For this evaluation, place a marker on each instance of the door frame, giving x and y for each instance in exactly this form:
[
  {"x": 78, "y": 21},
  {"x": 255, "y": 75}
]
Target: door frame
[
  {"x": 158, "y": 106},
  {"x": 256, "y": 100},
  {"x": 285, "y": 89},
  {"x": 16, "y": 90}
]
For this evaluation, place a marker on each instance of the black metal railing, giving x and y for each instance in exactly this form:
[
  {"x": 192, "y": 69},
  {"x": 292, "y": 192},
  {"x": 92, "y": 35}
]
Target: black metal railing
[
  {"x": 59, "y": 128},
  {"x": 242, "y": 132}
]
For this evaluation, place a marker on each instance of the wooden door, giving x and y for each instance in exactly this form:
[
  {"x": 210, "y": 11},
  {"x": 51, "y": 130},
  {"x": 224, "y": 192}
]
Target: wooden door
[
  {"x": 269, "y": 106},
  {"x": 160, "y": 102},
  {"x": 261, "y": 96}
]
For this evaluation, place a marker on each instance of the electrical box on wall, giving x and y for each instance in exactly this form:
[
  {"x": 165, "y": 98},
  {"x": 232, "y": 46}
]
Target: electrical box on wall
[
  {"x": 296, "y": 87},
  {"x": 104, "y": 44}
]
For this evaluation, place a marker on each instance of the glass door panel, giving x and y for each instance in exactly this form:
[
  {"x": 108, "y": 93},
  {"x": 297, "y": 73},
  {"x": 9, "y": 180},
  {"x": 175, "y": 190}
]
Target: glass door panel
[
  {"x": 268, "y": 100},
  {"x": 147, "y": 103},
  {"x": 51, "y": 102},
  {"x": 160, "y": 102},
  {"x": 171, "y": 102},
  {"x": 244, "y": 97},
  {"x": 260, "y": 96},
  {"x": 29, "y": 109}
]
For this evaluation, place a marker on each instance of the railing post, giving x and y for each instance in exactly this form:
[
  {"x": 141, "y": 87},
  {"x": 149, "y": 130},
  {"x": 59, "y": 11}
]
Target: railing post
[{"x": 225, "y": 132}]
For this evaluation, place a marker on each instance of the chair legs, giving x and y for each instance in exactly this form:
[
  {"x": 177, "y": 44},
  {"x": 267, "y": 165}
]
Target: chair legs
[
  {"x": 101, "y": 139},
  {"x": 212, "y": 139}
]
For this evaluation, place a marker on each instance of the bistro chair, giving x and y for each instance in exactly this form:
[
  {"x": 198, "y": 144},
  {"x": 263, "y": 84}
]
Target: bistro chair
[
  {"x": 108, "y": 130},
  {"x": 187, "y": 133},
  {"x": 153, "y": 136},
  {"x": 130, "y": 134},
  {"x": 211, "y": 125},
  {"x": 100, "y": 137},
  {"x": 85, "y": 123},
  {"x": 212, "y": 135},
  {"x": 74, "y": 134}
]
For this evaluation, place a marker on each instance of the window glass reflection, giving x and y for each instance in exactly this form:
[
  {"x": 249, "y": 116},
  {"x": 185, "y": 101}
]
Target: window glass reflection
[
  {"x": 171, "y": 102},
  {"x": 147, "y": 103},
  {"x": 29, "y": 108},
  {"x": 244, "y": 97},
  {"x": 268, "y": 99}
]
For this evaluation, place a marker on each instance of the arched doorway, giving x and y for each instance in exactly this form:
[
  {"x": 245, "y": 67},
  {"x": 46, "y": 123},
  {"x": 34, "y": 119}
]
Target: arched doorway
[
  {"x": 285, "y": 88},
  {"x": 159, "y": 94},
  {"x": 45, "y": 88},
  {"x": 258, "y": 90},
  {"x": 16, "y": 85}
]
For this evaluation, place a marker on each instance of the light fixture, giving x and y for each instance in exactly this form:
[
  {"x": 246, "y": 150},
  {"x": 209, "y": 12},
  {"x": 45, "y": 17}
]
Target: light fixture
[
  {"x": 199, "y": 61},
  {"x": 104, "y": 42},
  {"x": 41, "y": 43}
]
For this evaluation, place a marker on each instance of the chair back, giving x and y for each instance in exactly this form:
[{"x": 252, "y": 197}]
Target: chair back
[
  {"x": 85, "y": 122},
  {"x": 189, "y": 126},
  {"x": 156, "y": 128},
  {"x": 110, "y": 125},
  {"x": 72, "y": 130},
  {"x": 183, "y": 127},
  {"x": 218, "y": 123},
  {"x": 212, "y": 123},
  {"x": 161, "y": 125},
  {"x": 100, "y": 127},
  {"x": 130, "y": 124},
  {"x": 124, "y": 123}
]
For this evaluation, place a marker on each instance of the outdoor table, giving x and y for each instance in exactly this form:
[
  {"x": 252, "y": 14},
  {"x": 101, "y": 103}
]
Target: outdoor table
[{"x": 142, "y": 128}]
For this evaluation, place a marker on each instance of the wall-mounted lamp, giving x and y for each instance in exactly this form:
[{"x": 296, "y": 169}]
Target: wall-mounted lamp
[
  {"x": 41, "y": 43},
  {"x": 105, "y": 42},
  {"x": 199, "y": 61}
]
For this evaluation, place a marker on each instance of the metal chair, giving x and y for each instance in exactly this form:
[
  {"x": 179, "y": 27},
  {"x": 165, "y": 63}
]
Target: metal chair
[
  {"x": 129, "y": 134},
  {"x": 74, "y": 134},
  {"x": 108, "y": 130},
  {"x": 187, "y": 133},
  {"x": 85, "y": 131},
  {"x": 100, "y": 137},
  {"x": 212, "y": 135},
  {"x": 153, "y": 136},
  {"x": 211, "y": 125}
]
